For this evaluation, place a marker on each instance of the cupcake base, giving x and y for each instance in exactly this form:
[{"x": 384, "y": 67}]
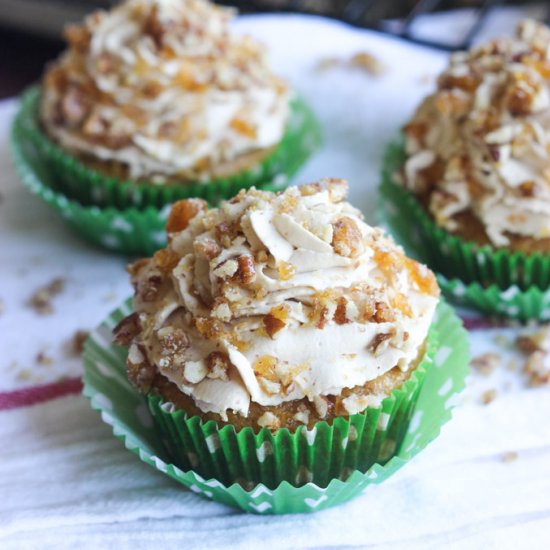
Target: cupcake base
[
  {"x": 109, "y": 391},
  {"x": 71, "y": 177}
]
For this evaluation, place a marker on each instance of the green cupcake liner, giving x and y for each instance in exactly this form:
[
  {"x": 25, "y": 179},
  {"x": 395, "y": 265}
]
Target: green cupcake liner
[
  {"x": 404, "y": 217},
  {"x": 64, "y": 172},
  {"x": 110, "y": 393},
  {"x": 130, "y": 231},
  {"x": 325, "y": 452},
  {"x": 454, "y": 257}
]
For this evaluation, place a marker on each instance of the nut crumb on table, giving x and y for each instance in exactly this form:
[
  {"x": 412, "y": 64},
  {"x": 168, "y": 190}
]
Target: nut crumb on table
[
  {"x": 41, "y": 299},
  {"x": 77, "y": 341},
  {"x": 42, "y": 358},
  {"x": 488, "y": 396},
  {"x": 362, "y": 60},
  {"x": 486, "y": 363},
  {"x": 537, "y": 348},
  {"x": 509, "y": 456}
]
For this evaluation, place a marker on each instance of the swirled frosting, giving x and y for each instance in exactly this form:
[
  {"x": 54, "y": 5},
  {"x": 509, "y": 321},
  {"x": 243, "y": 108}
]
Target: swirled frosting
[
  {"x": 164, "y": 88},
  {"x": 273, "y": 298},
  {"x": 481, "y": 142}
]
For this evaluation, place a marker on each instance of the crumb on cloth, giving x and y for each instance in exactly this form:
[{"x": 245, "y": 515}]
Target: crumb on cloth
[{"x": 41, "y": 299}]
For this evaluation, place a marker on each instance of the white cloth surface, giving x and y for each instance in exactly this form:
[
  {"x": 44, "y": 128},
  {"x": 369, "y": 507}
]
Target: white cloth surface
[{"x": 65, "y": 481}]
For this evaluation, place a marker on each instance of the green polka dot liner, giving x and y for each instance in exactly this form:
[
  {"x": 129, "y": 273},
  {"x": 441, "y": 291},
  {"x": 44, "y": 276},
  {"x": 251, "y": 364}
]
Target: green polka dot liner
[
  {"x": 67, "y": 174},
  {"x": 130, "y": 231},
  {"x": 225, "y": 466},
  {"x": 495, "y": 282}
]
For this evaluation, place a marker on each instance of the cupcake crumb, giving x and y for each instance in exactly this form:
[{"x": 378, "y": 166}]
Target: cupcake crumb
[
  {"x": 42, "y": 358},
  {"x": 76, "y": 344},
  {"x": 509, "y": 456},
  {"x": 41, "y": 299},
  {"x": 488, "y": 396},
  {"x": 269, "y": 420},
  {"x": 486, "y": 363},
  {"x": 362, "y": 60},
  {"x": 536, "y": 346}
]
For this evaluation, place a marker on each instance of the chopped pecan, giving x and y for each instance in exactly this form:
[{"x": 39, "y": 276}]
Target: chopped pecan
[
  {"x": 134, "y": 268},
  {"x": 272, "y": 325},
  {"x": 226, "y": 269},
  {"x": 340, "y": 314},
  {"x": 77, "y": 36},
  {"x": 225, "y": 233},
  {"x": 183, "y": 212},
  {"x": 218, "y": 364},
  {"x": 246, "y": 272},
  {"x": 275, "y": 320},
  {"x": 207, "y": 248},
  {"x": 166, "y": 259},
  {"x": 347, "y": 239},
  {"x": 149, "y": 288},
  {"x": 383, "y": 314},
  {"x": 127, "y": 329},
  {"x": 172, "y": 340},
  {"x": 310, "y": 189},
  {"x": 379, "y": 343},
  {"x": 140, "y": 372},
  {"x": 74, "y": 106}
]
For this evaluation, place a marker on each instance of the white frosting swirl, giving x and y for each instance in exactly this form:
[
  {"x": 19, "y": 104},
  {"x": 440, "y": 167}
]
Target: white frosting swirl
[
  {"x": 164, "y": 88},
  {"x": 481, "y": 142},
  {"x": 280, "y": 297}
]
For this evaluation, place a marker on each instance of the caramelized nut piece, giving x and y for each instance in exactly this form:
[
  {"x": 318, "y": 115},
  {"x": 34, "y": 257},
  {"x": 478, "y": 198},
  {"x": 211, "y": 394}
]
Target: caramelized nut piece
[
  {"x": 183, "y": 212},
  {"x": 380, "y": 343},
  {"x": 127, "y": 329},
  {"x": 347, "y": 239},
  {"x": 272, "y": 325},
  {"x": 166, "y": 259},
  {"x": 140, "y": 372},
  {"x": 383, "y": 314},
  {"x": 246, "y": 272},
  {"x": 340, "y": 317},
  {"x": 207, "y": 248}
]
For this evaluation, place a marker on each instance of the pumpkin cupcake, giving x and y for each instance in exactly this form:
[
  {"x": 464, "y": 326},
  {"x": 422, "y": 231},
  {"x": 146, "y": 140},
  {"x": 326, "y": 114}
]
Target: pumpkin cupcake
[
  {"x": 477, "y": 154},
  {"x": 279, "y": 319},
  {"x": 157, "y": 100}
]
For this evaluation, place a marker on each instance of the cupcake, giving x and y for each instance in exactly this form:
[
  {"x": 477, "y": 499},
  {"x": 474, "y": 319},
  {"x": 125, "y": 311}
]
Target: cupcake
[
  {"x": 157, "y": 100},
  {"x": 477, "y": 157},
  {"x": 280, "y": 322}
]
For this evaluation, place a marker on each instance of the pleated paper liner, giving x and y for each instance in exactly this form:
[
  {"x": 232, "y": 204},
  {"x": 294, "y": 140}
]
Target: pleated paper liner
[
  {"x": 110, "y": 393},
  {"x": 406, "y": 220},
  {"x": 325, "y": 452},
  {"x": 67, "y": 174},
  {"x": 451, "y": 255},
  {"x": 130, "y": 231}
]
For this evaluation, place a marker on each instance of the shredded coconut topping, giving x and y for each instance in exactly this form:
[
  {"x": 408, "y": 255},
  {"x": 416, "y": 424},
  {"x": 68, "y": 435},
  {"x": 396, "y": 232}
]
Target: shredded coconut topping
[
  {"x": 277, "y": 297},
  {"x": 481, "y": 142},
  {"x": 163, "y": 88}
]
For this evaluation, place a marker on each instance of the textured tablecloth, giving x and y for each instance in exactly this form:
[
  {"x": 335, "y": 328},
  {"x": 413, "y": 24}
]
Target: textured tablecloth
[{"x": 65, "y": 481}]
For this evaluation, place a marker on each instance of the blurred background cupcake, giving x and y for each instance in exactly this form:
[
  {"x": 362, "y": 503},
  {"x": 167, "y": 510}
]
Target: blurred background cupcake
[
  {"x": 157, "y": 100},
  {"x": 476, "y": 160}
]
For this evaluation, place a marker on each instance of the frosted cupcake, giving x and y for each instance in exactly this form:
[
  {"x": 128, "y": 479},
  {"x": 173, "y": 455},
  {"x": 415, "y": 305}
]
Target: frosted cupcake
[
  {"x": 477, "y": 157},
  {"x": 158, "y": 95},
  {"x": 273, "y": 315}
]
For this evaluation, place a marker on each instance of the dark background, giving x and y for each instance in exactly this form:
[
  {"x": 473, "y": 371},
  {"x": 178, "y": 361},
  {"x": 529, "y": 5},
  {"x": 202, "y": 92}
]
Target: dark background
[{"x": 30, "y": 30}]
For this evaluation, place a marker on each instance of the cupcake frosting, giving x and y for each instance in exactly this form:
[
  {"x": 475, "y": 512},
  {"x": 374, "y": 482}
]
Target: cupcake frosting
[
  {"x": 273, "y": 298},
  {"x": 481, "y": 142},
  {"x": 164, "y": 88}
]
